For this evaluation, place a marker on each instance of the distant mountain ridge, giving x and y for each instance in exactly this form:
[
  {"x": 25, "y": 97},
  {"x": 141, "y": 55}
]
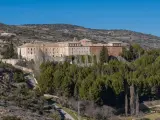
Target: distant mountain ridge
[{"x": 66, "y": 32}]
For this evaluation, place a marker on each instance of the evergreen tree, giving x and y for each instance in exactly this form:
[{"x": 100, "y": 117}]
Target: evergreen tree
[
  {"x": 110, "y": 84},
  {"x": 11, "y": 51},
  {"x": 103, "y": 55},
  {"x": 20, "y": 54}
]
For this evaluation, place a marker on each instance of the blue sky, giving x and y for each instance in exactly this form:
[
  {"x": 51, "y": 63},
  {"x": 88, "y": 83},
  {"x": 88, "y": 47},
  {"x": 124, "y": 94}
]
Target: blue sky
[{"x": 137, "y": 15}]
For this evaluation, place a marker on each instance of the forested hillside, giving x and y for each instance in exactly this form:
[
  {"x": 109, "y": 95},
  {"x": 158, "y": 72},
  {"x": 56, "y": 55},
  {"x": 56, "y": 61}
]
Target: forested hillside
[{"x": 108, "y": 83}]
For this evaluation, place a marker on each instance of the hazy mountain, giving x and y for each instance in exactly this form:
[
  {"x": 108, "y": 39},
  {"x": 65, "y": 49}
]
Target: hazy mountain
[{"x": 65, "y": 32}]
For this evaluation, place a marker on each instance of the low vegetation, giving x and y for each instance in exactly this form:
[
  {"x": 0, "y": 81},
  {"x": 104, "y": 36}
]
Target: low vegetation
[
  {"x": 17, "y": 99},
  {"x": 10, "y": 118},
  {"x": 56, "y": 115},
  {"x": 66, "y": 32},
  {"x": 9, "y": 51}
]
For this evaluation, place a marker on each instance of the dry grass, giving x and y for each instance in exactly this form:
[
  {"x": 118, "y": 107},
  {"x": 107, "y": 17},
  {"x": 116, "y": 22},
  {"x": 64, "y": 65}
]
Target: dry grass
[
  {"x": 73, "y": 113},
  {"x": 153, "y": 116}
]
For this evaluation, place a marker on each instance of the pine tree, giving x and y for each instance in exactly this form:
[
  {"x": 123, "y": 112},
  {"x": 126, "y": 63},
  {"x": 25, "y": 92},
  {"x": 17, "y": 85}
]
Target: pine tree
[
  {"x": 103, "y": 55},
  {"x": 20, "y": 54},
  {"x": 11, "y": 50}
]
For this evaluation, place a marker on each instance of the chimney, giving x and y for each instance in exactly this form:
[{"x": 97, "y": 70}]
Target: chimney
[{"x": 75, "y": 39}]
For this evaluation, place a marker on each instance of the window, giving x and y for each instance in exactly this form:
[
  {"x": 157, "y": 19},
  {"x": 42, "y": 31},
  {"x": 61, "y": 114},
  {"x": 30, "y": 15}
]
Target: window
[{"x": 28, "y": 50}]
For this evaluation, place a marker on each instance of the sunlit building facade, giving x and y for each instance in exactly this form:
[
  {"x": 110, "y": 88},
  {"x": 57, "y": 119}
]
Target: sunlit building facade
[{"x": 71, "y": 48}]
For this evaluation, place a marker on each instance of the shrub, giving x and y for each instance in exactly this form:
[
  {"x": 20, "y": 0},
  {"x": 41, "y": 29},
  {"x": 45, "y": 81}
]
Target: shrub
[
  {"x": 145, "y": 119},
  {"x": 10, "y": 118},
  {"x": 18, "y": 77},
  {"x": 56, "y": 115}
]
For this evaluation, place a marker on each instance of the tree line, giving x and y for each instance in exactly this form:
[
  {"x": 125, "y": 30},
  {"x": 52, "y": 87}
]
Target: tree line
[{"x": 108, "y": 82}]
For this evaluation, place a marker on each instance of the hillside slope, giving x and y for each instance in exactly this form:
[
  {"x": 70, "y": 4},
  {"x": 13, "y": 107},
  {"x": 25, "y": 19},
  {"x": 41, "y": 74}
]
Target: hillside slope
[{"x": 65, "y": 32}]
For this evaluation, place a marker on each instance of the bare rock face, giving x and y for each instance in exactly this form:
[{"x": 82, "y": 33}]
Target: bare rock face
[{"x": 66, "y": 32}]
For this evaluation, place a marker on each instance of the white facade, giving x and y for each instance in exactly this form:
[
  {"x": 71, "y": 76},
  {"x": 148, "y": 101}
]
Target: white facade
[
  {"x": 31, "y": 51},
  {"x": 61, "y": 49},
  {"x": 74, "y": 48}
]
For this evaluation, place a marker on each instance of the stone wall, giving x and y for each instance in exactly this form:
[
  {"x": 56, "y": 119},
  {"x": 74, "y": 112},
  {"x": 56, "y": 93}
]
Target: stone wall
[
  {"x": 13, "y": 63},
  {"x": 10, "y": 61},
  {"x": 59, "y": 59},
  {"x": 23, "y": 69},
  {"x": 112, "y": 50}
]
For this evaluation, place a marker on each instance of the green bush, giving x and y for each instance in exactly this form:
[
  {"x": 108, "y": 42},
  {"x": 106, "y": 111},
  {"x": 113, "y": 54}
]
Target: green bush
[
  {"x": 10, "y": 118},
  {"x": 145, "y": 119},
  {"x": 56, "y": 116},
  {"x": 18, "y": 77}
]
